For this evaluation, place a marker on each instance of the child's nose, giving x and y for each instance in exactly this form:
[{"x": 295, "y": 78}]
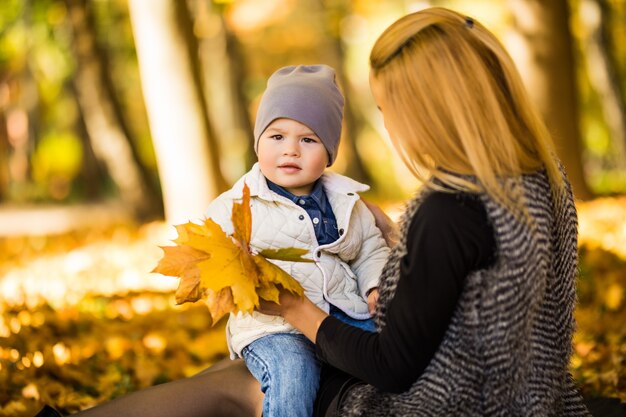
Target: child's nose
[{"x": 291, "y": 148}]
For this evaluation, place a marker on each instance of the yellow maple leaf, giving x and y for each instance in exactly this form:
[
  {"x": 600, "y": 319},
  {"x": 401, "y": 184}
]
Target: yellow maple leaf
[
  {"x": 222, "y": 269},
  {"x": 219, "y": 303},
  {"x": 181, "y": 261},
  {"x": 272, "y": 274}
]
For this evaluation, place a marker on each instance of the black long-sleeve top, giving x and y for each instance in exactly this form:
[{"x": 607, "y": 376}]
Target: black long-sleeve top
[{"x": 448, "y": 238}]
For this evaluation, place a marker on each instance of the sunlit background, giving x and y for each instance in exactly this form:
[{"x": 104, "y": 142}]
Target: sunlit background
[{"x": 119, "y": 118}]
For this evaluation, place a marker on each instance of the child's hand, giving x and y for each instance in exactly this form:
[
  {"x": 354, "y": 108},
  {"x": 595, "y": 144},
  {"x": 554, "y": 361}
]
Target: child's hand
[
  {"x": 372, "y": 299},
  {"x": 389, "y": 229}
]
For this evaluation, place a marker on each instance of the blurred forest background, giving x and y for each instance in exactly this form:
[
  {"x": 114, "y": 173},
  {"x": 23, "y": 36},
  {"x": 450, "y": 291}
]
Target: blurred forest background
[{"x": 119, "y": 118}]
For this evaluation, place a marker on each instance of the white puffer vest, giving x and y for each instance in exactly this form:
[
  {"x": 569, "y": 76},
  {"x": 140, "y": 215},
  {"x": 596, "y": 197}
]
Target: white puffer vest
[{"x": 343, "y": 271}]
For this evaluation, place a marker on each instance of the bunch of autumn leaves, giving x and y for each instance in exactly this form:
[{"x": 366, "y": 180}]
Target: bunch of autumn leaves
[{"x": 222, "y": 270}]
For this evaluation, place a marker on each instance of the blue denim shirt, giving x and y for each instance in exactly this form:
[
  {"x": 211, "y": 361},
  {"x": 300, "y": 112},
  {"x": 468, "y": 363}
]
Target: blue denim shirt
[{"x": 317, "y": 207}]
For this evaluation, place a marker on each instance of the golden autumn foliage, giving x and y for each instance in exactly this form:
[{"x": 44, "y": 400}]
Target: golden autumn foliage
[
  {"x": 83, "y": 320},
  {"x": 222, "y": 269},
  {"x": 78, "y": 356},
  {"x": 599, "y": 361}
]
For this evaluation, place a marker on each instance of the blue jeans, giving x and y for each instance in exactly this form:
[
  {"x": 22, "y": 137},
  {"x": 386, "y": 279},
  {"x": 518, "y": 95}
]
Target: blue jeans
[{"x": 288, "y": 370}]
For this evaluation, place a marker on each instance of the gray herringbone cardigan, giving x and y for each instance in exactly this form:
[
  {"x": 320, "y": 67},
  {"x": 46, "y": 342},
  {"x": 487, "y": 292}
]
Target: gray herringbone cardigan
[{"x": 507, "y": 349}]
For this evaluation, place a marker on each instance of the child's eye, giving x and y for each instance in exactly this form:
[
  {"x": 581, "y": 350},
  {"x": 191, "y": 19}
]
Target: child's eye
[
  {"x": 276, "y": 137},
  {"x": 309, "y": 140}
]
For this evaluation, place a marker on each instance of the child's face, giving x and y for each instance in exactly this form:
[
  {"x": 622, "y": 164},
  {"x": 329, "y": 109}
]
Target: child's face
[{"x": 292, "y": 156}]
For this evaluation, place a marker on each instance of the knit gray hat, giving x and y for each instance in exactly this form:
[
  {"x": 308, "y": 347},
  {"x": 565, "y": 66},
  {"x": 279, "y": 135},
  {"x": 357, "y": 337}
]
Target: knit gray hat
[{"x": 307, "y": 94}]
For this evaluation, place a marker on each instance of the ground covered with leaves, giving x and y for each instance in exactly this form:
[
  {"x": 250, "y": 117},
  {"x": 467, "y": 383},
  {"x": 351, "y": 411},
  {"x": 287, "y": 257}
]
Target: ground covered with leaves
[{"x": 83, "y": 320}]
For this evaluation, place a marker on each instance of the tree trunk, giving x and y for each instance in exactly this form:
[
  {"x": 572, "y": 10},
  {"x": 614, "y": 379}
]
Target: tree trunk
[
  {"x": 92, "y": 172},
  {"x": 603, "y": 72},
  {"x": 187, "y": 157},
  {"x": 237, "y": 62},
  {"x": 21, "y": 113},
  {"x": 548, "y": 68},
  {"x": 109, "y": 141},
  {"x": 223, "y": 87},
  {"x": 4, "y": 156},
  {"x": 353, "y": 119}
]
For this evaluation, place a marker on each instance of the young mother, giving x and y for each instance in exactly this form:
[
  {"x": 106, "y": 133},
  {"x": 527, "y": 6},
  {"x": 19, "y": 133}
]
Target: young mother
[{"x": 475, "y": 315}]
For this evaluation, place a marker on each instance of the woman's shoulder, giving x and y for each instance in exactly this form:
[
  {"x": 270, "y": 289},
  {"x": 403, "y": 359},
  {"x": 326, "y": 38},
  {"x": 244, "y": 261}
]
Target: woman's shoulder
[
  {"x": 445, "y": 206},
  {"x": 454, "y": 220}
]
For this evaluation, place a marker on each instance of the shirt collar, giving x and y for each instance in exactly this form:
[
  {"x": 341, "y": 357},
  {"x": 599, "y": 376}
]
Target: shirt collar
[
  {"x": 317, "y": 196},
  {"x": 333, "y": 184}
]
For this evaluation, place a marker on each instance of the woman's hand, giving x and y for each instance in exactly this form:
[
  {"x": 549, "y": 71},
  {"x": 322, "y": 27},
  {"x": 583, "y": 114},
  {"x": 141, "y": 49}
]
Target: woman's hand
[
  {"x": 286, "y": 300},
  {"x": 300, "y": 312},
  {"x": 269, "y": 307}
]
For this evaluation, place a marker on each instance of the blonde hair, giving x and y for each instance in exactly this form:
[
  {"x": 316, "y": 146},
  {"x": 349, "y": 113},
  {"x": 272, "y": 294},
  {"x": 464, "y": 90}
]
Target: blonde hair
[{"x": 458, "y": 106}]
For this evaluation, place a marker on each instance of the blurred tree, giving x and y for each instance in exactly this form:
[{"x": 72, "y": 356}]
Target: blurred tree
[
  {"x": 603, "y": 70},
  {"x": 91, "y": 170},
  {"x": 239, "y": 44},
  {"x": 4, "y": 153},
  {"x": 224, "y": 71},
  {"x": 22, "y": 126},
  {"x": 186, "y": 150},
  {"x": 549, "y": 72},
  {"x": 102, "y": 115},
  {"x": 21, "y": 103},
  {"x": 334, "y": 12}
]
